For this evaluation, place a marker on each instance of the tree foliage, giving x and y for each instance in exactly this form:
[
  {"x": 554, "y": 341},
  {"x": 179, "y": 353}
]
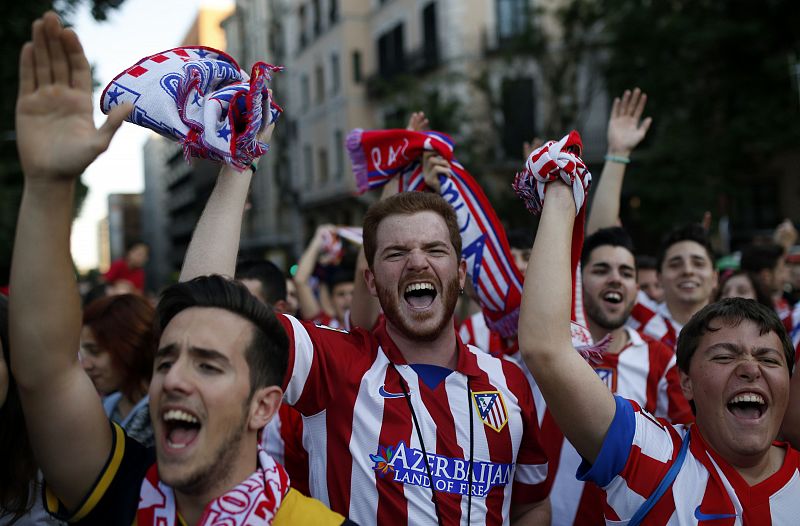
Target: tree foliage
[
  {"x": 15, "y": 26},
  {"x": 719, "y": 78}
]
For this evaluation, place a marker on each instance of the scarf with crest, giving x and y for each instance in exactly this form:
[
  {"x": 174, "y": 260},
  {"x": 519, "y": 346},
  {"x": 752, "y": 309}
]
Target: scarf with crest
[
  {"x": 378, "y": 156},
  {"x": 254, "y": 502},
  {"x": 199, "y": 97}
]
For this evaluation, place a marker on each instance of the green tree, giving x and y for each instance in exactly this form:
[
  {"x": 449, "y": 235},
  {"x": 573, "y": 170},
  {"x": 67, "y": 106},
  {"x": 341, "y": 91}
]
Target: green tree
[
  {"x": 719, "y": 79},
  {"x": 15, "y": 26}
]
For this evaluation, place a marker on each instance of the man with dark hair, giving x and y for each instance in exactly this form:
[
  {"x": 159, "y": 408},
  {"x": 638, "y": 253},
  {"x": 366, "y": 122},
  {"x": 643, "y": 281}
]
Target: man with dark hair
[
  {"x": 726, "y": 467},
  {"x": 221, "y": 353},
  {"x": 647, "y": 278},
  {"x": 264, "y": 280},
  {"x": 282, "y": 436},
  {"x": 633, "y": 366},
  {"x": 405, "y": 423},
  {"x": 766, "y": 263},
  {"x": 686, "y": 271},
  {"x": 332, "y": 306}
]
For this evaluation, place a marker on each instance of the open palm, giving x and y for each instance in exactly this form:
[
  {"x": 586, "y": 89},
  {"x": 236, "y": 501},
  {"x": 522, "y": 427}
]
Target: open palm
[
  {"x": 56, "y": 135},
  {"x": 626, "y": 128}
]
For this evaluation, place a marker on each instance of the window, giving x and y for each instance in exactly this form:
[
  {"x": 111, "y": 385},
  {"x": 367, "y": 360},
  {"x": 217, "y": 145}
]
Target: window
[
  {"x": 391, "y": 55},
  {"x": 319, "y": 79},
  {"x": 518, "y": 114},
  {"x": 322, "y": 161},
  {"x": 333, "y": 11},
  {"x": 335, "y": 74},
  {"x": 338, "y": 147},
  {"x": 512, "y": 17},
  {"x": 317, "y": 17},
  {"x": 430, "y": 45},
  {"x": 305, "y": 91},
  {"x": 309, "y": 162},
  {"x": 302, "y": 22},
  {"x": 356, "y": 67}
]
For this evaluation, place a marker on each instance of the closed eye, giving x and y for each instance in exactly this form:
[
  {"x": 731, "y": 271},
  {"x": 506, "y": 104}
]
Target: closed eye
[{"x": 208, "y": 368}]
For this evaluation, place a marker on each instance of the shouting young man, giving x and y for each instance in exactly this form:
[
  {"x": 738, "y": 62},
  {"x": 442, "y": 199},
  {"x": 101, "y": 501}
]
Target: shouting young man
[
  {"x": 404, "y": 424},
  {"x": 735, "y": 362},
  {"x": 220, "y": 360}
]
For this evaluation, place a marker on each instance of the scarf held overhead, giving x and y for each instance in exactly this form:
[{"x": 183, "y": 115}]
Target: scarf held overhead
[
  {"x": 254, "y": 502},
  {"x": 554, "y": 161},
  {"x": 199, "y": 97},
  {"x": 380, "y": 155}
]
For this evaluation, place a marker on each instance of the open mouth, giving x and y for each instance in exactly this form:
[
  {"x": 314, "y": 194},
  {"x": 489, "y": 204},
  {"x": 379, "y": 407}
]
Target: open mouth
[
  {"x": 612, "y": 297},
  {"x": 181, "y": 428},
  {"x": 747, "y": 406},
  {"x": 420, "y": 295},
  {"x": 688, "y": 285}
]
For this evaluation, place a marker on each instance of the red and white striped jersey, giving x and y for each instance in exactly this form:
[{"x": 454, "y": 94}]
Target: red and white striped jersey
[
  {"x": 654, "y": 320},
  {"x": 474, "y": 331},
  {"x": 638, "y": 451},
  {"x": 644, "y": 371},
  {"x": 282, "y": 438},
  {"x": 365, "y": 455}
]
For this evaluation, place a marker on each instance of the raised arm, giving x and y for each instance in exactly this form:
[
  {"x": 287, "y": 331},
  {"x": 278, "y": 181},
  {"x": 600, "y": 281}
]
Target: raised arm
[
  {"x": 309, "y": 305},
  {"x": 626, "y": 129},
  {"x": 57, "y": 139},
  {"x": 579, "y": 401},
  {"x": 215, "y": 242}
]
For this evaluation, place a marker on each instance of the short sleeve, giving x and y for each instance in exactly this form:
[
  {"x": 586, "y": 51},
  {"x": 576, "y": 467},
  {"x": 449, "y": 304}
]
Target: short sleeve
[
  {"x": 321, "y": 361},
  {"x": 115, "y": 496},
  {"x": 616, "y": 447}
]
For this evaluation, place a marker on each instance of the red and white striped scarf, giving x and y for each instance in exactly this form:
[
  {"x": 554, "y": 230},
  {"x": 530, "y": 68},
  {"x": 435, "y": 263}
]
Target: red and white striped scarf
[
  {"x": 380, "y": 155},
  {"x": 254, "y": 502},
  {"x": 553, "y": 161}
]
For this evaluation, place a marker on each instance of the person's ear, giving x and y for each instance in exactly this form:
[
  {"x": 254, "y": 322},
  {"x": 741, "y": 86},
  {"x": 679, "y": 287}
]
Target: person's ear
[
  {"x": 462, "y": 273},
  {"x": 264, "y": 406},
  {"x": 369, "y": 279},
  {"x": 686, "y": 385}
]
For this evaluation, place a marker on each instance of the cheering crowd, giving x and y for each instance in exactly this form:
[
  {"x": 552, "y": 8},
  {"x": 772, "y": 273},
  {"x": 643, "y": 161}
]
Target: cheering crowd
[{"x": 437, "y": 371}]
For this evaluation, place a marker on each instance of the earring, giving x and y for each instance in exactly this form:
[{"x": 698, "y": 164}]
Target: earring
[{"x": 460, "y": 291}]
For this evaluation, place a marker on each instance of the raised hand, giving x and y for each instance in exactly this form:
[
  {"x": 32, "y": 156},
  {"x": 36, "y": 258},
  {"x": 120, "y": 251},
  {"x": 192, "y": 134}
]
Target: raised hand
[
  {"x": 56, "y": 135},
  {"x": 417, "y": 122},
  {"x": 626, "y": 128}
]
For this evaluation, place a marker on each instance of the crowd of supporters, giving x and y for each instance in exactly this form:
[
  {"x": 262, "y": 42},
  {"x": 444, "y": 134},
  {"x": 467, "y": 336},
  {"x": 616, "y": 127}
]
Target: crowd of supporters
[{"x": 424, "y": 367}]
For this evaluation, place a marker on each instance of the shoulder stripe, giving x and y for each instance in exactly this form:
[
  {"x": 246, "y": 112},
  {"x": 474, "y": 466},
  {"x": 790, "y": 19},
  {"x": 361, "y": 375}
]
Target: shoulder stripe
[{"x": 303, "y": 359}]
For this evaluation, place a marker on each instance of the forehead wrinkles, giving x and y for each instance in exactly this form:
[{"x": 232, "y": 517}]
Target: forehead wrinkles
[{"x": 411, "y": 229}]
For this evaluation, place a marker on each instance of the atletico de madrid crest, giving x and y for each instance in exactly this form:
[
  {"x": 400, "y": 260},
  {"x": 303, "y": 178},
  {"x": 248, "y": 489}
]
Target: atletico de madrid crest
[{"x": 492, "y": 409}]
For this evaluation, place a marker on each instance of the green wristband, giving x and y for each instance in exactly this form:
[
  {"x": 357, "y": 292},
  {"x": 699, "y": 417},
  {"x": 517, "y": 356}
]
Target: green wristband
[{"x": 618, "y": 159}]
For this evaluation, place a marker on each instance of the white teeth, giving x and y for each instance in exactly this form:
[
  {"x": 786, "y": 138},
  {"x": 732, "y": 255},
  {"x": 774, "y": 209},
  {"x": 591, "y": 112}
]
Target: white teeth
[
  {"x": 613, "y": 296},
  {"x": 175, "y": 446},
  {"x": 177, "y": 414},
  {"x": 748, "y": 397},
  {"x": 419, "y": 286}
]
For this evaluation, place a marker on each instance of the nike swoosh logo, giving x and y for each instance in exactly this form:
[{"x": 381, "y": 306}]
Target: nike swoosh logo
[
  {"x": 386, "y": 394},
  {"x": 700, "y": 516}
]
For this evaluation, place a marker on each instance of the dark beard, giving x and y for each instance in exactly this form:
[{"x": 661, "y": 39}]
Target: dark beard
[
  {"x": 412, "y": 331},
  {"x": 595, "y": 313}
]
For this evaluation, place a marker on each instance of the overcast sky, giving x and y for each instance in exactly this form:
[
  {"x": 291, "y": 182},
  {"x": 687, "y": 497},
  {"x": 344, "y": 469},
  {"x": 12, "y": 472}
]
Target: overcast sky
[{"x": 137, "y": 29}]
